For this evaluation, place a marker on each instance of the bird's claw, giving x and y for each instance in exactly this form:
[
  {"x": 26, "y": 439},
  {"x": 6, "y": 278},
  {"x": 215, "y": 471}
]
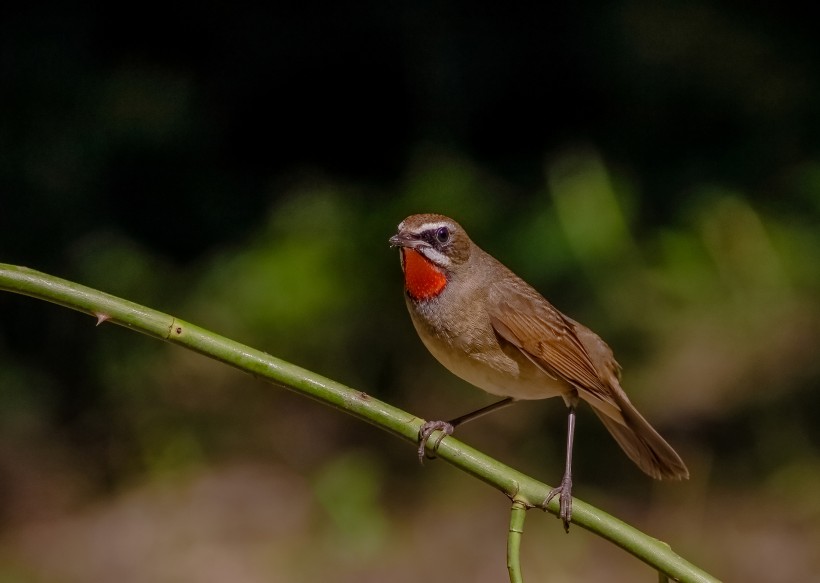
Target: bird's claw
[
  {"x": 564, "y": 493},
  {"x": 427, "y": 430}
]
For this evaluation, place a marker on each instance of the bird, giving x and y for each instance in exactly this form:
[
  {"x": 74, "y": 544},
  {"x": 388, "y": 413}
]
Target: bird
[{"x": 489, "y": 327}]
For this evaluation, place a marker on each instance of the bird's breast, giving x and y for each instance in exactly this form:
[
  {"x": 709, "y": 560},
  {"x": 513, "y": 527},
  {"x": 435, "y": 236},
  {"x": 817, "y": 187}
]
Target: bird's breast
[{"x": 466, "y": 344}]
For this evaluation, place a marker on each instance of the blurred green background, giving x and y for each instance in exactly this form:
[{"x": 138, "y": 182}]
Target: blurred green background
[{"x": 651, "y": 168}]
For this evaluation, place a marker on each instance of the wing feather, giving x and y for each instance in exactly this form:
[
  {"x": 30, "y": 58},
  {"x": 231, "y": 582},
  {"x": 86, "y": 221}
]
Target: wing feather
[
  {"x": 566, "y": 350},
  {"x": 549, "y": 340}
]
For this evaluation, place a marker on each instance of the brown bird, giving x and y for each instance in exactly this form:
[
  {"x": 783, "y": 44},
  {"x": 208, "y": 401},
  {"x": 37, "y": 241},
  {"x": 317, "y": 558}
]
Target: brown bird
[{"x": 489, "y": 327}]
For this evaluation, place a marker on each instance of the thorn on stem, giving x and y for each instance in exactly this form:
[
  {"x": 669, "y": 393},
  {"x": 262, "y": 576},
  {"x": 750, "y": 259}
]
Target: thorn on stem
[{"x": 101, "y": 318}]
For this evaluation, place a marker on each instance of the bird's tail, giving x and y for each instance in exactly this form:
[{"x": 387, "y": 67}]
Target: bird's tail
[{"x": 642, "y": 443}]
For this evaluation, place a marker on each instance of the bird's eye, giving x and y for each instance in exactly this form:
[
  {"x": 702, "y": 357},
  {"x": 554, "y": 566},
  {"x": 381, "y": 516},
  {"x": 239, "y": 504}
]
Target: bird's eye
[{"x": 443, "y": 234}]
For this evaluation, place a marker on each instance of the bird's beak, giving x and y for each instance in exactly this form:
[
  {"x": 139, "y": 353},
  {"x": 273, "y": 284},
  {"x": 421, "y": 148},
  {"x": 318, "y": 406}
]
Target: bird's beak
[{"x": 402, "y": 240}]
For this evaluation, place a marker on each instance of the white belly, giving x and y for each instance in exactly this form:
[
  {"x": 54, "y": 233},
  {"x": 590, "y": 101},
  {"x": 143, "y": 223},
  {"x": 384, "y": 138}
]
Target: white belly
[{"x": 499, "y": 370}]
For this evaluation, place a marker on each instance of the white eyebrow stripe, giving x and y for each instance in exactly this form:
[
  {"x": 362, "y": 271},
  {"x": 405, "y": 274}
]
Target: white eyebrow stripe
[{"x": 432, "y": 226}]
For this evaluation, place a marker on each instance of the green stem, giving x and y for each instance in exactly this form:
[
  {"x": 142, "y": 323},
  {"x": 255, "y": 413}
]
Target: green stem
[
  {"x": 517, "y": 515},
  {"x": 514, "y": 484}
]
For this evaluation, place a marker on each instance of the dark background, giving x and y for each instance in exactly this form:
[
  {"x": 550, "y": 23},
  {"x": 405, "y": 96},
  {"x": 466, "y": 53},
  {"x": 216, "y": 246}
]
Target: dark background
[{"x": 653, "y": 169}]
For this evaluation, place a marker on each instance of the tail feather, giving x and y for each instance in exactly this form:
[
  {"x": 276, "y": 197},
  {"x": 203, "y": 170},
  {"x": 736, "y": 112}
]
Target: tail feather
[{"x": 642, "y": 444}]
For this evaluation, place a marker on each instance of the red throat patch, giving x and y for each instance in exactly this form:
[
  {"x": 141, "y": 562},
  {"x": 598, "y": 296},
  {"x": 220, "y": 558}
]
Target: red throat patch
[{"x": 422, "y": 278}]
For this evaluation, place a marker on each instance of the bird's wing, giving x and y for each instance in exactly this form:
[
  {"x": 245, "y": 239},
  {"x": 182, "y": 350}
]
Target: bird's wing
[{"x": 550, "y": 341}]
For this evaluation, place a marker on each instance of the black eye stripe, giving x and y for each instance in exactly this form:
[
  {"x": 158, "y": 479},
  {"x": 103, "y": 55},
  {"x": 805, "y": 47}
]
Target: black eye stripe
[
  {"x": 436, "y": 237},
  {"x": 439, "y": 237}
]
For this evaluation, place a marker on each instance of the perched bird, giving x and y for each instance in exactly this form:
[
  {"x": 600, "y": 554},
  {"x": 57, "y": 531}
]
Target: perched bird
[{"x": 489, "y": 327}]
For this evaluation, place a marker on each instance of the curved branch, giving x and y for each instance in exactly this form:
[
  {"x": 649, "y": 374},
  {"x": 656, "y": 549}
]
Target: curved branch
[{"x": 525, "y": 490}]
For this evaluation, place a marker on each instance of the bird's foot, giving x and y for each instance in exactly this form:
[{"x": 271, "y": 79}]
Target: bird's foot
[
  {"x": 427, "y": 430},
  {"x": 564, "y": 493}
]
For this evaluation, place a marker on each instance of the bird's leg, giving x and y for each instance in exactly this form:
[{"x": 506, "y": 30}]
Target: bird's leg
[
  {"x": 447, "y": 427},
  {"x": 564, "y": 490},
  {"x": 426, "y": 430}
]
